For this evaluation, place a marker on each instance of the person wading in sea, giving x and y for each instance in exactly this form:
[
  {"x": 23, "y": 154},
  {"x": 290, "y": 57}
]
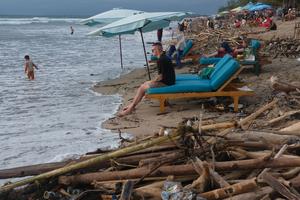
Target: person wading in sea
[{"x": 29, "y": 67}]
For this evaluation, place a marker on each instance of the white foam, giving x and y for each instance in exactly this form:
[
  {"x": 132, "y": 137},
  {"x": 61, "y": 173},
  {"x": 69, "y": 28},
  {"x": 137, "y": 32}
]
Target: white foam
[
  {"x": 298, "y": 59},
  {"x": 20, "y": 21}
]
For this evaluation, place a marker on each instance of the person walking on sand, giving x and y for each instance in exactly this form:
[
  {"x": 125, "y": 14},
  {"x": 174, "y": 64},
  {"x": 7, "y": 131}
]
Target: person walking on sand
[
  {"x": 29, "y": 67},
  {"x": 166, "y": 77}
]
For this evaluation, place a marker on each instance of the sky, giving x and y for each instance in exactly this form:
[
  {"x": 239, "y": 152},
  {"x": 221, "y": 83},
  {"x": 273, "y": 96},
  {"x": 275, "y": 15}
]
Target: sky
[{"x": 92, "y": 7}]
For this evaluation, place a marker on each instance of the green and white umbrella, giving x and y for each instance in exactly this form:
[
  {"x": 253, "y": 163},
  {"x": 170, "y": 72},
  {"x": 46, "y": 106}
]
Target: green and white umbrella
[
  {"x": 143, "y": 22},
  {"x": 109, "y": 17}
]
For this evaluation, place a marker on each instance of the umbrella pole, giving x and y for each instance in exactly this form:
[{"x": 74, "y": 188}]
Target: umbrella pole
[
  {"x": 120, "y": 44},
  {"x": 145, "y": 54}
]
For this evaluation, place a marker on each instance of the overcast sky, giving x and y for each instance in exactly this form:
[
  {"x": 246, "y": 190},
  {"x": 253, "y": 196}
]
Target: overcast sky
[{"x": 91, "y": 7}]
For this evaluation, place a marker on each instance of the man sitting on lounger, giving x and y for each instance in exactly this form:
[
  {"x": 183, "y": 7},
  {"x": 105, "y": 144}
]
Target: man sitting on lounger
[{"x": 166, "y": 76}]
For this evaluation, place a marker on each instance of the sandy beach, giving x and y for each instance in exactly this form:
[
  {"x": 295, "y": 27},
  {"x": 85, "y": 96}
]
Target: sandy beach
[{"x": 146, "y": 120}]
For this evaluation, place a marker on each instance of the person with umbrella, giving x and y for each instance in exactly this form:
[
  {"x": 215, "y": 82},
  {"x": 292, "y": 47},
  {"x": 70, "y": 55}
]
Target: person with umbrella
[{"x": 166, "y": 77}]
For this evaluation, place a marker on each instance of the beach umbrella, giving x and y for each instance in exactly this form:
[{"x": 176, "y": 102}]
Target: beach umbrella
[
  {"x": 143, "y": 22},
  {"x": 248, "y": 6},
  {"x": 260, "y": 6},
  {"x": 237, "y": 9},
  {"x": 109, "y": 17},
  {"x": 223, "y": 13}
]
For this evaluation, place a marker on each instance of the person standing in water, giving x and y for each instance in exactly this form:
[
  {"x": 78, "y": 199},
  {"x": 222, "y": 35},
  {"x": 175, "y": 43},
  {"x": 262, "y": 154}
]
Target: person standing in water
[
  {"x": 72, "y": 30},
  {"x": 29, "y": 67}
]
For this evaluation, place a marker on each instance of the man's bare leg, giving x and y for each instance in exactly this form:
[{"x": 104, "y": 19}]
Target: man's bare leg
[{"x": 137, "y": 99}]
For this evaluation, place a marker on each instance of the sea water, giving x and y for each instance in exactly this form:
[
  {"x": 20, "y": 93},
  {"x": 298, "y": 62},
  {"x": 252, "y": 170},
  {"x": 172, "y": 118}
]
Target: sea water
[{"x": 57, "y": 115}]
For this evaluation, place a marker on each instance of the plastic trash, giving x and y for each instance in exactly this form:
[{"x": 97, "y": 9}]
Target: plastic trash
[{"x": 175, "y": 191}]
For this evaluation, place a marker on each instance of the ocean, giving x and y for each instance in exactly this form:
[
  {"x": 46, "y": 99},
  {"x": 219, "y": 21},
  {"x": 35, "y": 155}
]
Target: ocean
[{"x": 58, "y": 116}]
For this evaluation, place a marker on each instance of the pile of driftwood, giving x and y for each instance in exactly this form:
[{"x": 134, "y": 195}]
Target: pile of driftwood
[
  {"x": 279, "y": 47},
  {"x": 199, "y": 159}
]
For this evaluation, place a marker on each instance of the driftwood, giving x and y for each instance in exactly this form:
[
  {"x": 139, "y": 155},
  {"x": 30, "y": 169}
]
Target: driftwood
[
  {"x": 285, "y": 115},
  {"x": 266, "y": 137},
  {"x": 279, "y": 154},
  {"x": 245, "y": 123},
  {"x": 42, "y": 168},
  {"x": 178, "y": 170},
  {"x": 280, "y": 188},
  {"x": 88, "y": 163},
  {"x": 166, "y": 158},
  {"x": 255, "y": 195},
  {"x": 282, "y": 86},
  {"x": 242, "y": 187},
  {"x": 150, "y": 191},
  {"x": 201, "y": 183},
  {"x": 127, "y": 190},
  {"x": 293, "y": 128}
]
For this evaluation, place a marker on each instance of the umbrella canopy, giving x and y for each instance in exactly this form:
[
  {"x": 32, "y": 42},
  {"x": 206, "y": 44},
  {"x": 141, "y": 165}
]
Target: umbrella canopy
[
  {"x": 237, "y": 9},
  {"x": 144, "y": 22},
  {"x": 260, "y": 6},
  {"x": 109, "y": 16},
  {"x": 248, "y": 6},
  {"x": 223, "y": 13}
]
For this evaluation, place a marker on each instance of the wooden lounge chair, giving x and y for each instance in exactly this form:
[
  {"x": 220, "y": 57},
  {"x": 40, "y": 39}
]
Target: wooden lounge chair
[
  {"x": 220, "y": 84},
  {"x": 254, "y": 46}
]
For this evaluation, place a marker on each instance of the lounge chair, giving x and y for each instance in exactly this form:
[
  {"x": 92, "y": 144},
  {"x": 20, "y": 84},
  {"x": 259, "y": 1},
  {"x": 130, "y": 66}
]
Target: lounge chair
[
  {"x": 219, "y": 84},
  {"x": 254, "y": 46},
  {"x": 183, "y": 77},
  {"x": 186, "y": 54},
  {"x": 188, "y": 51}
]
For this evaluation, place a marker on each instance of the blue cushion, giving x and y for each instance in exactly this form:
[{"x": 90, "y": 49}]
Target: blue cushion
[
  {"x": 183, "y": 87},
  {"x": 218, "y": 66},
  {"x": 223, "y": 74},
  {"x": 185, "y": 77},
  {"x": 188, "y": 46},
  {"x": 221, "y": 63},
  {"x": 208, "y": 61},
  {"x": 255, "y": 44}
]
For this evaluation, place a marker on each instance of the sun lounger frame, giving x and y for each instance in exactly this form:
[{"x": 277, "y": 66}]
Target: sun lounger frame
[{"x": 228, "y": 89}]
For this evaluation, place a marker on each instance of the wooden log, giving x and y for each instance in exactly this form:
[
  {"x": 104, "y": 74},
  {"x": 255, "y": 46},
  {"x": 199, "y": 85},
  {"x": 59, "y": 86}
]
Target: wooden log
[
  {"x": 218, "y": 178},
  {"x": 292, "y": 128},
  {"x": 267, "y": 138},
  {"x": 239, "y": 188},
  {"x": 127, "y": 190},
  {"x": 178, "y": 170},
  {"x": 245, "y": 123},
  {"x": 202, "y": 182},
  {"x": 236, "y": 174},
  {"x": 280, "y": 188},
  {"x": 150, "y": 191},
  {"x": 289, "y": 174},
  {"x": 295, "y": 181},
  {"x": 282, "y": 86},
  {"x": 261, "y": 154},
  {"x": 285, "y": 115},
  {"x": 278, "y": 154},
  {"x": 166, "y": 158},
  {"x": 90, "y": 162},
  {"x": 255, "y": 195},
  {"x": 147, "y": 179},
  {"x": 42, "y": 168}
]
